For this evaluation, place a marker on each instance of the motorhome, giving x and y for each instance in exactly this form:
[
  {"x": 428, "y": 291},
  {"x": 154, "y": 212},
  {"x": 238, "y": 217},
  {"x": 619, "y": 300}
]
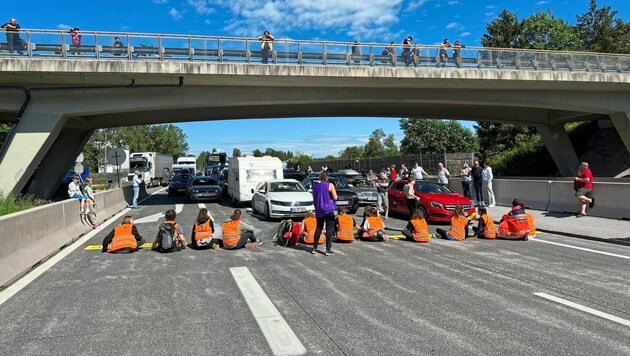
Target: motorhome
[{"x": 247, "y": 172}]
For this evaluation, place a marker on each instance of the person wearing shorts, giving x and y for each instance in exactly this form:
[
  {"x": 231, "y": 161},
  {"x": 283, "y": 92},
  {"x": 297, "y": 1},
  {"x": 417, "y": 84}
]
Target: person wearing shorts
[
  {"x": 583, "y": 185},
  {"x": 74, "y": 192}
]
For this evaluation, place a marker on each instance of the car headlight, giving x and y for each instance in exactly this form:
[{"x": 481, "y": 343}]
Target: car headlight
[
  {"x": 277, "y": 202},
  {"x": 436, "y": 205}
]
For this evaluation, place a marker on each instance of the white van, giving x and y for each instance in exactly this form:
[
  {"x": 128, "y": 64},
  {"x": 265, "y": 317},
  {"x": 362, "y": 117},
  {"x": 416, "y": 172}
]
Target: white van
[{"x": 246, "y": 172}]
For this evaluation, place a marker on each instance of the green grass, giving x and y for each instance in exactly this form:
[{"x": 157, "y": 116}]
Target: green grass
[{"x": 11, "y": 203}]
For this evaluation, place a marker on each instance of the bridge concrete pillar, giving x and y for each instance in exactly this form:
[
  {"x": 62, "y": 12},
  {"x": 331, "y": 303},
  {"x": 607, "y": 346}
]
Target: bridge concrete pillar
[
  {"x": 622, "y": 124},
  {"x": 59, "y": 159},
  {"x": 27, "y": 145},
  {"x": 559, "y": 146}
]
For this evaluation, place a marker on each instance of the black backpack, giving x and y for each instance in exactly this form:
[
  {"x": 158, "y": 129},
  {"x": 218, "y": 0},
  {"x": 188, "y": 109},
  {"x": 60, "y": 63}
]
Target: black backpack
[
  {"x": 167, "y": 241},
  {"x": 281, "y": 233}
]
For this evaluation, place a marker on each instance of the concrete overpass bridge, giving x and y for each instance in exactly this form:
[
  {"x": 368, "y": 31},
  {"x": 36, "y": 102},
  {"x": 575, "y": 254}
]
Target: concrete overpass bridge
[{"x": 57, "y": 95}]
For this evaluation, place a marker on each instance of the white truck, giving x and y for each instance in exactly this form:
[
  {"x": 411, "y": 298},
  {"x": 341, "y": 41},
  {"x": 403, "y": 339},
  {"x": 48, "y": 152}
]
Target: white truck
[
  {"x": 188, "y": 162},
  {"x": 247, "y": 172},
  {"x": 155, "y": 167}
]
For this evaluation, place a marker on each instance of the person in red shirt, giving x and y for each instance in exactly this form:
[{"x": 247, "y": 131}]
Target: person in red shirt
[
  {"x": 393, "y": 174},
  {"x": 583, "y": 184}
]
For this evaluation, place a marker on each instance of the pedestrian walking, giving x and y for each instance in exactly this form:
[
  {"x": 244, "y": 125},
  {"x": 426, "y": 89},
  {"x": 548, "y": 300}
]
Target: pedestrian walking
[
  {"x": 382, "y": 203},
  {"x": 487, "y": 183},
  {"x": 324, "y": 197},
  {"x": 464, "y": 173},
  {"x": 477, "y": 176},
  {"x": 583, "y": 185},
  {"x": 137, "y": 180},
  {"x": 266, "y": 45},
  {"x": 443, "y": 174}
]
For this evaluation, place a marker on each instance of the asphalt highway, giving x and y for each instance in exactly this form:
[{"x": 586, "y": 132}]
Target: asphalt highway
[{"x": 550, "y": 295}]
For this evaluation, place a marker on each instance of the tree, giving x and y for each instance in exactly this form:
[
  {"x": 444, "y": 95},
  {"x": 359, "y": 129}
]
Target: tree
[
  {"x": 503, "y": 32},
  {"x": 202, "y": 160},
  {"x": 379, "y": 145},
  {"x": 351, "y": 152},
  {"x": 236, "y": 152},
  {"x": 257, "y": 153},
  {"x": 435, "y": 136},
  {"x": 543, "y": 30},
  {"x": 495, "y": 138},
  {"x": 600, "y": 31},
  {"x": 4, "y": 133}
]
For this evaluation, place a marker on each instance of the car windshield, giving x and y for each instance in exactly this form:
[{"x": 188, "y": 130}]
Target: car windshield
[
  {"x": 338, "y": 184},
  {"x": 177, "y": 178},
  {"x": 348, "y": 173},
  {"x": 286, "y": 187},
  {"x": 205, "y": 181},
  {"x": 431, "y": 188}
]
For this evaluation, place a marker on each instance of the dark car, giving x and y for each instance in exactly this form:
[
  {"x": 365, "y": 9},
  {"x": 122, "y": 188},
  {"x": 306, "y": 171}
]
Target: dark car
[
  {"x": 367, "y": 193},
  {"x": 294, "y": 174},
  {"x": 437, "y": 202},
  {"x": 345, "y": 196},
  {"x": 179, "y": 185},
  {"x": 349, "y": 176},
  {"x": 205, "y": 188}
]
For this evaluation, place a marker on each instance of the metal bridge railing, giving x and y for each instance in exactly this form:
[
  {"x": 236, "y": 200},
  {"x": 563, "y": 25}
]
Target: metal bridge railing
[{"x": 166, "y": 47}]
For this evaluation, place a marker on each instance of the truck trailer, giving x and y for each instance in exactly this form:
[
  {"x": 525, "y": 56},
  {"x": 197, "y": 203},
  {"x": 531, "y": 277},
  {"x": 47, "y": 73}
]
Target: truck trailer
[{"x": 155, "y": 167}]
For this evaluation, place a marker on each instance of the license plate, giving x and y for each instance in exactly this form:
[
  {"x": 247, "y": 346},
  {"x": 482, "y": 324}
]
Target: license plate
[
  {"x": 298, "y": 210},
  {"x": 342, "y": 202},
  {"x": 181, "y": 189},
  {"x": 371, "y": 198}
]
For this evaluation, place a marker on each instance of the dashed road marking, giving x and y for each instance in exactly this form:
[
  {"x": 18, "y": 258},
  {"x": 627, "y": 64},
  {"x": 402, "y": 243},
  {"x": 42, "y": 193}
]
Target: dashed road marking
[
  {"x": 280, "y": 337},
  {"x": 179, "y": 208},
  {"x": 583, "y": 249},
  {"x": 592, "y": 311},
  {"x": 201, "y": 206}
]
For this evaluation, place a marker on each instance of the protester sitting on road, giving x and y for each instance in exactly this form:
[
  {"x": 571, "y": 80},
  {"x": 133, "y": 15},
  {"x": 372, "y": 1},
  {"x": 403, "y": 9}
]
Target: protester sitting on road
[
  {"x": 459, "y": 226},
  {"x": 417, "y": 229},
  {"x": 486, "y": 228},
  {"x": 169, "y": 237},
  {"x": 308, "y": 227},
  {"x": 583, "y": 184},
  {"x": 514, "y": 225},
  {"x": 74, "y": 192},
  {"x": 123, "y": 238},
  {"x": 238, "y": 234},
  {"x": 201, "y": 235},
  {"x": 344, "y": 226},
  {"x": 374, "y": 228}
]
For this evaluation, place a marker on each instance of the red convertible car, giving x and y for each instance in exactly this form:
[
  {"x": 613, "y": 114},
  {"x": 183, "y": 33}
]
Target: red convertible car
[{"x": 435, "y": 199}]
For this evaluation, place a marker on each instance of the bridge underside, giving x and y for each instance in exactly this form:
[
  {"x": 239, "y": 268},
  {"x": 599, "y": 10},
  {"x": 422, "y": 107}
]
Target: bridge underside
[{"x": 58, "y": 120}]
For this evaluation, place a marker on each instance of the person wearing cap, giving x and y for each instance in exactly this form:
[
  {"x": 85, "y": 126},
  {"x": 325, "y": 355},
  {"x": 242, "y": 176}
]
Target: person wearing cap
[
  {"x": 118, "y": 46},
  {"x": 406, "y": 53},
  {"x": 74, "y": 192}
]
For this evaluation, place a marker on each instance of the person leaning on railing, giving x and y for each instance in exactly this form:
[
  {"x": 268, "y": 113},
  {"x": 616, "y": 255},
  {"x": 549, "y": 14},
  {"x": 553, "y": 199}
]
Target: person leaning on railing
[
  {"x": 457, "y": 53},
  {"x": 266, "y": 46},
  {"x": 13, "y": 37}
]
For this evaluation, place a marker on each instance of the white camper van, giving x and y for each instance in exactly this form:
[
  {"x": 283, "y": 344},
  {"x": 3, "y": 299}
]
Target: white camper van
[{"x": 247, "y": 172}]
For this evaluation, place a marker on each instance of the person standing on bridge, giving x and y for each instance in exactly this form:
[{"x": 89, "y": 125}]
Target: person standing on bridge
[
  {"x": 266, "y": 45},
  {"x": 406, "y": 53},
  {"x": 137, "y": 180},
  {"x": 324, "y": 197},
  {"x": 443, "y": 53},
  {"x": 13, "y": 36},
  {"x": 457, "y": 53},
  {"x": 583, "y": 185},
  {"x": 356, "y": 52}
]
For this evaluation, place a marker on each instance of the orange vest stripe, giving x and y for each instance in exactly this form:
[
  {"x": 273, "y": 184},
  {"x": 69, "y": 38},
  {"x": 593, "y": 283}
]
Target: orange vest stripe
[
  {"x": 203, "y": 232},
  {"x": 310, "y": 224},
  {"x": 532, "y": 226},
  {"x": 346, "y": 228},
  {"x": 231, "y": 232},
  {"x": 376, "y": 224},
  {"x": 490, "y": 230},
  {"x": 513, "y": 226},
  {"x": 420, "y": 230},
  {"x": 458, "y": 228},
  {"x": 123, "y": 239}
]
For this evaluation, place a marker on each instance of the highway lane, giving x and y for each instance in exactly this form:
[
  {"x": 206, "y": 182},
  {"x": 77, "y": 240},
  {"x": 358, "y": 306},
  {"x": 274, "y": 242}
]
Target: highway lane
[{"x": 399, "y": 297}]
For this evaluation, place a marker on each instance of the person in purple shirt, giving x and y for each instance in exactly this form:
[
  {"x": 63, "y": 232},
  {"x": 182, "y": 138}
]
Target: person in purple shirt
[{"x": 324, "y": 196}]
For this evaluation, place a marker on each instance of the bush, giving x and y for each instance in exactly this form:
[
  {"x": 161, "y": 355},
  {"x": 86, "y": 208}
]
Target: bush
[{"x": 11, "y": 203}]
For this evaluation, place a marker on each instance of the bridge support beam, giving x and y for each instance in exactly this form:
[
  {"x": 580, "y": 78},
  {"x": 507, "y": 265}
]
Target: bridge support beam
[
  {"x": 29, "y": 142},
  {"x": 622, "y": 124},
  {"x": 559, "y": 146}
]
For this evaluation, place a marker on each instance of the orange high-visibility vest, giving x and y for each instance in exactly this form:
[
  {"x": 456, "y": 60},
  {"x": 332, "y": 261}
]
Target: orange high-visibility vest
[
  {"x": 231, "y": 233},
  {"x": 310, "y": 224},
  {"x": 123, "y": 239},
  {"x": 420, "y": 230},
  {"x": 532, "y": 226},
  {"x": 203, "y": 232},
  {"x": 514, "y": 225},
  {"x": 490, "y": 230},
  {"x": 346, "y": 228},
  {"x": 458, "y": 228},
  {"x": 376, "y": 224}
]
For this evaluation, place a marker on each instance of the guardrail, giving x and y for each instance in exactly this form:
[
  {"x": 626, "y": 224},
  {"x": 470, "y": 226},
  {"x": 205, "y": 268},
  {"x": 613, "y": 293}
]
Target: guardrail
[
  {"x": 166, "y": 47},
  {"x": 558, "y": 195}
]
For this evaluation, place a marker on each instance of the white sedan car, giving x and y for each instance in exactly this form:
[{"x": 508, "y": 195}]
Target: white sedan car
[{"x": 278, "y": 198}]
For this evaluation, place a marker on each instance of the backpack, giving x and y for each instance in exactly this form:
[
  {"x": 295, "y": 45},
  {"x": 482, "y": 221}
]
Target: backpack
[
  {"x": 167, "y": 238},
  {"x": 283, "y": 233}
]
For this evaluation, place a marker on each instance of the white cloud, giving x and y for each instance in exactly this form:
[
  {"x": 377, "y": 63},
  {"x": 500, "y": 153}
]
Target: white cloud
[
  {"x": 491, "y": 7},
  {"x": 413, "y": 5},
  {"x": 353, "y": 17},
  {"x": 176, "y": 15},
  {"x": 125, "y": 28},
  {"x": 160, "y": 1},
  {"x": 453, "y": 2},
  {"x": 202, "y": 7},
  {"x": 540, "y": 3},
  {"x": 453, "y": 26},
  {"x": 62, "y": 26},
  {"x": 464, "y": 34},
  {"x": 489, "y": 14}
]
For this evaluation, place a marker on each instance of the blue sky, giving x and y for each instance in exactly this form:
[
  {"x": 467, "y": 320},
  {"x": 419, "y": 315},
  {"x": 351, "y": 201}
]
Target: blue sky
[{"x": 428, "y": 21}]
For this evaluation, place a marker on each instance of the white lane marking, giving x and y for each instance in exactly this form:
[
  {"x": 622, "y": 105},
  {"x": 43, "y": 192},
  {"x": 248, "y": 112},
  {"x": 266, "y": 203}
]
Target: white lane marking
[
  {"x": 201, "y": 205},
  {"x": 29, "y": 277},
  {"x": 149, "y": 218},
  {"x": 582, "y": 249},
  {"x": 584, "y": 309},
  {"x": 280, "y": 337},
  {"x": 39, "y": 270},
  {"x": 179, "y": 208}
]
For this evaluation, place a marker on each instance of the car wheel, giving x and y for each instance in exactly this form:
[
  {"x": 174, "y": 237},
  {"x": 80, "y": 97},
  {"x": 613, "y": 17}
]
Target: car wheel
[
  {"x": 253, "y": 207},
  {"x": 423, "y": 210},
  {"x": 267, "y": 215}
]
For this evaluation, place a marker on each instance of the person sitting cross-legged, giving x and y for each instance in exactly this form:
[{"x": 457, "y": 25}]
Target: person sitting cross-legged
[
  {"x": 417, "y": 229},
  {"x": 123, "y": 238}
]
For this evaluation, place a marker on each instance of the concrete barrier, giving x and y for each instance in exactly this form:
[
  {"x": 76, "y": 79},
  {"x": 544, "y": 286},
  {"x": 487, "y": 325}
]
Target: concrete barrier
[
  {"x": 534, "y": 193},
  {"x": 611, "y": 199},
  {"x": 128, "y": 191},
  {"x": 28, "y": 237}
]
